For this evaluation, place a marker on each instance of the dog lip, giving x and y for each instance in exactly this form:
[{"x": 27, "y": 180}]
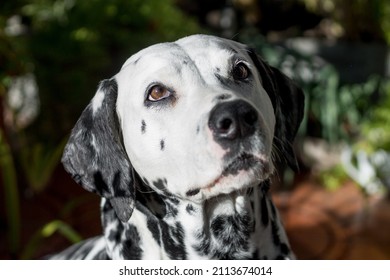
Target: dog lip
[{"x": 241, "y": 162}]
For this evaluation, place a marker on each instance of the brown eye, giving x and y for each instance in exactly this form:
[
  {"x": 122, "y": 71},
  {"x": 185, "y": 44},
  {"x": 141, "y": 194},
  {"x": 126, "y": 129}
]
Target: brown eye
[
  {"x": 240, "y": 71},
  {"x": 158, "y": 92}
]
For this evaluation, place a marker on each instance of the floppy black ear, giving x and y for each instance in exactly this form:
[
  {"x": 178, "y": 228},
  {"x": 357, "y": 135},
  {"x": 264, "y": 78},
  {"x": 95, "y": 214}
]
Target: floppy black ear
[
  {"x": 94, "y": 154},
  {"x": 288, "y": 102}
]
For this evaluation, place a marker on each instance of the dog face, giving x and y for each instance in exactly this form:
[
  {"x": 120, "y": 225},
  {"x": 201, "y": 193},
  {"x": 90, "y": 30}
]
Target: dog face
[
  {"x": 174, "y": 101},
  {"x": 194, "y": 119}
]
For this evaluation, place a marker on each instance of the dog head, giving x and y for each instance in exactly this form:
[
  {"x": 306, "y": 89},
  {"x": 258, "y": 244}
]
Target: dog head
[{"x": 195, "y": 118}]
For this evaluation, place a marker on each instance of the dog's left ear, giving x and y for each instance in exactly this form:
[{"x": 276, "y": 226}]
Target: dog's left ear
[
  {"x": 95, "y": 156},
  {"x": 288, "y": 102}
]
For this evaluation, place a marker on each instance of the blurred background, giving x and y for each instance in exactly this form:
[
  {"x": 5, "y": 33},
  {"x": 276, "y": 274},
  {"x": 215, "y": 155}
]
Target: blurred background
[{"x": 53, "y": 53}]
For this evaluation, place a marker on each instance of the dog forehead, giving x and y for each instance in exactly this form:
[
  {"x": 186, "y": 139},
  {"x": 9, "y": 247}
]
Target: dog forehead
[{"x": 201, "y": 51}]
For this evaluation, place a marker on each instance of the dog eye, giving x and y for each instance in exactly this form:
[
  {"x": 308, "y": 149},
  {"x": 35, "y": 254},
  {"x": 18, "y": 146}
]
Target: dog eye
[
  {"x": 240, "y": 71},
  {"x": 158, "y": 92}
]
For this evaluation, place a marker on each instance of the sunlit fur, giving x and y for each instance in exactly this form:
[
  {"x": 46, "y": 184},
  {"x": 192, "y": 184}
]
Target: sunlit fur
[{"x": 172, "y": 187}]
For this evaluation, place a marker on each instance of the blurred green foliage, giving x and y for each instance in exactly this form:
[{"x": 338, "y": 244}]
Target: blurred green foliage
[
  {"x": 11, "y": 195},
  {"x": 376, "y": 128},
  {"x": 362, "y": 20},
  {"x": 334, "y": 111},
  {"x": 354, "y": 115},
  {"x": 70, "y": 45}
]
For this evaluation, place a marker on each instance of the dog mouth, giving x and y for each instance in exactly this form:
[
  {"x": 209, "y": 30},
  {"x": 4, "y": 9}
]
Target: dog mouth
[{"x": 242, "y": 164}]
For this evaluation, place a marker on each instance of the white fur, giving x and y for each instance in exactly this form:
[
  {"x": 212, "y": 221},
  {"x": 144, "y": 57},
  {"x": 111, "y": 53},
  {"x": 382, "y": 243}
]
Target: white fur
[{"x": 188, "y": 66}]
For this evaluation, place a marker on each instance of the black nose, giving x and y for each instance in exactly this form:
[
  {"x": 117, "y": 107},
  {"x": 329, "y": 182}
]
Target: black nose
[{"x": 233, "y": 120}]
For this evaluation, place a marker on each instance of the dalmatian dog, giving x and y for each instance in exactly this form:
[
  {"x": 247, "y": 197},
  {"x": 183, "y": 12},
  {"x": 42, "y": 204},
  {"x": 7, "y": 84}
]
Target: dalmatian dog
[{"x": 181, "y": 144}]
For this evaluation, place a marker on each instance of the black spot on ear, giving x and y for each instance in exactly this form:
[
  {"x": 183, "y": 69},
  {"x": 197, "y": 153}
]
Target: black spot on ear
[
  {"x": 218, "y": 69},
  {"x": 185, "y": 62},
  {"x": 100, "y": 185},
  {"x": 143, "y": 126},
  {"x": 288, "y": 103},
  {"x": 162, "y": 145}
]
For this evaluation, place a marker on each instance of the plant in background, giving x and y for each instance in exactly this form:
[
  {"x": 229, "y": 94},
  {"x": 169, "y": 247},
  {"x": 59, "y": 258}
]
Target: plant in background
[
  {"x": 38, "y": 163},
  {"x": 361, "y": 20},
  {"x": 47, "y": 231},
  {"x": 339, "y": 114},
  {"x": 75, "y": 44},
  {"x": 333, "y": 109},
  {"x": 11, "y": 196},
  {"x": 368, "y": 161}
]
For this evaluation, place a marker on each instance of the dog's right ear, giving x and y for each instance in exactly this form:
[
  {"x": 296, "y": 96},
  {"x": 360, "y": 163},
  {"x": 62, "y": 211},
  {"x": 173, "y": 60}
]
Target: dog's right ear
[
  {"x": 288, "y": 102},
  {"x": 95, "y": 156}
]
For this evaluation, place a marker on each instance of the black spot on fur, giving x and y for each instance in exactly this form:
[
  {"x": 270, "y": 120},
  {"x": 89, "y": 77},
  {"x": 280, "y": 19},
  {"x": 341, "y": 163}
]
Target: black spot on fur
[
  {"x": 116, "y": 183},
  {"x": 173, "y": 238},
  {"x": 203, "y": 248},
  {"x": 265, "y": 186},
  {"x": 233, "y": 233},
  {"x": 154, "y": 229},
  {"x": 108, "y": 214},
  {"x": 131, "y": 248},
  {"x": 173, "y": 200},
  {"x": 222, "y": 97},
  {"x": 275, "y": 233},
  {"x": 100, "y": 185},
  {"x": 136, "y": 61},
  {"x": 161, "y": 184},
  {"x": 115, "y": 236},
  {"x": 143, "y": 127},
  {"x": 171, "y": 209},
  {"x": 264, "y": 211},
  {"x": 192, "y": 192},
  {"x": 285, "y": 249},
  {"x": 218, "y": 224},
  {"x": 162, "y": 144},
  {"x": 190, "y": 209},
  {"x": 149, "y": 202}
]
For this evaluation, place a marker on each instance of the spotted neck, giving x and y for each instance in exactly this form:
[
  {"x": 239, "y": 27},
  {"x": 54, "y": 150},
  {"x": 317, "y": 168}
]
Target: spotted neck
[{"x": 241, "y": 225}]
